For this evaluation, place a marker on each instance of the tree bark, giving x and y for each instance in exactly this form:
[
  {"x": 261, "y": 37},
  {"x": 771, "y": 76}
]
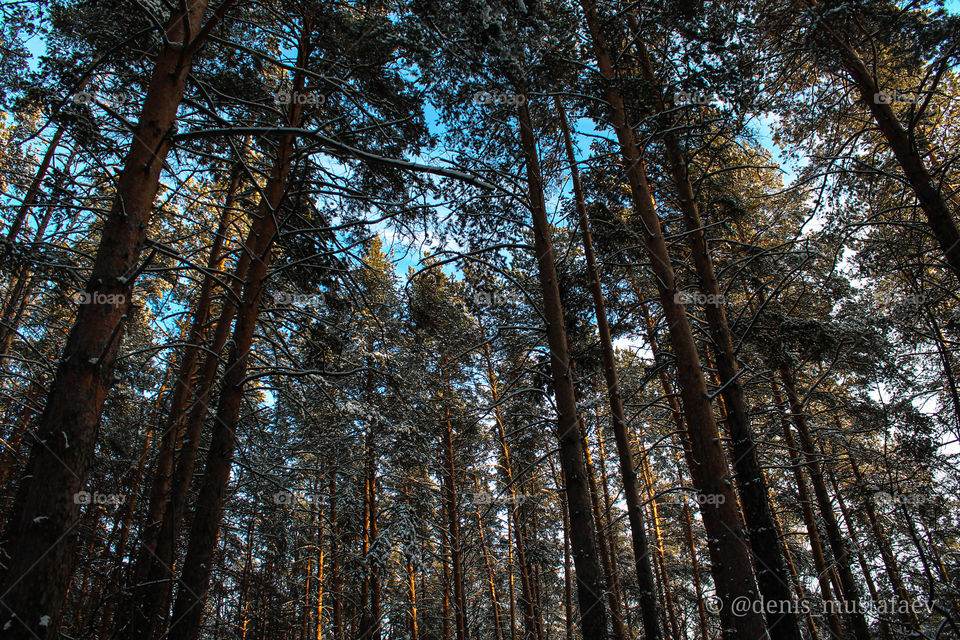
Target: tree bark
[
  {"x": 195, "y": 579},
  {"x": 603, "y": 542},
  {"x": 149, "y": 592},
  {"x": 729, "y": 551},
  {"x": 33, "y": 191},
  {"x": 940, "y": 219},
  {"x": 453, "y": 528},
  {"x": 850, "y": 591},
  {"x": 590, "y": 587},
  {"x": 628, "y": 473},
  {"x": 42, "y": 538},
  {"x": 173, "y": 426},
  {"x": 770, "y": 569}
]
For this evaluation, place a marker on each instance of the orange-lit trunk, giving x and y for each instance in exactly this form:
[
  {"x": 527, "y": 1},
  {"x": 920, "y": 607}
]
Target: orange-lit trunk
[{"x": 42, "y": 534}]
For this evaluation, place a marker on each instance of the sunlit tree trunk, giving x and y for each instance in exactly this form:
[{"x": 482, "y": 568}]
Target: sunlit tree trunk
[
  {"x": 590, "y": 587},
  {"x": 516, "y": 537},
  {"x": 603, "y": 542},
  {"x": 195, "y": 578},
  {"x": 731, "y": 562},
  {"x": 149, "y": 589},
  {"x": 491, "y": 578},
  {"x": 903, "y": 143},
  {"x": 42, "y": 537}
]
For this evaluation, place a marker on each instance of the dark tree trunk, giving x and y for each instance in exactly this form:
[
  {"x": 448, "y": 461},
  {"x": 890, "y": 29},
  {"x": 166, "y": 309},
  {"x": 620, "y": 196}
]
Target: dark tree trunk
[
  {"x": 628, "y": 473},
  {"x": 453, "y": 528},
  {"x": 731, "y": 561},
  {"x": 33, "y": 191},
  {"x": 590, "y": 587},
  {"x": 850, "y": 591},
  {"x": 42, "y": 537},
  {"x": 149, "y": 591},
  {"x": 198, "y": 564},
  {"x": 770, "y": 569},
  {"x": 173, "y": 426}
]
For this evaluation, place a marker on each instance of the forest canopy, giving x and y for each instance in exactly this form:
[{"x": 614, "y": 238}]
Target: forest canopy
[{"x": 479, "y": 320}]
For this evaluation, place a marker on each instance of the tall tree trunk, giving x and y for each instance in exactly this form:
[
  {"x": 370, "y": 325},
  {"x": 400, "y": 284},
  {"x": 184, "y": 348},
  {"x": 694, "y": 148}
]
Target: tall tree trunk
[
  {"x": 370, "y": 623},
  {"x": 770, "y": 569},
  {"x": 882, "y": 541},
  {"x": 491, "y": 577},
  {"x": 243, "y": 603},
  {"x": 445, "y": 562},
  {"x": 510, "y": 578},
  {"x": 695, "y": 562},
  {"x": 603, "y": 541},
  {"x": 33, "y": 191},
  {"x": 195, "y": 579},
  {"x": 148, "y": 600},
  {"x": 850, "y": 591},
  {"x": 514, "y": 526},
  {"x": 608, "y": 523},
  {"x": 173, "y": 426},
  {"x": 21, "y": 292},
  {"x": 336, "y": 578},
  {"x": 676, "y": 416},
  {"x": 795, "y": 579},
  {"x": 628, "y": 474},
  {"x": 125, "y": 517},
  {"x": 729, "y": 550},
  {"x": 42, "y": 537},
  {"x": 885, "y": 630},
  {"x": 659, "y": 550},
  {"x": 321, "y": 560},
  {"x": 590, "y": 587},
  {"x": 453, "y": 527},
  {"x": 940, "y": 219},
  {"x": 567, "y": 580},
  {"x": 809, "y": 520}
]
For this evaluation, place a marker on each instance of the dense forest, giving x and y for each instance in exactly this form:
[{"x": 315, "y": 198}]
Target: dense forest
[{"x": 479, "y": 320}]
